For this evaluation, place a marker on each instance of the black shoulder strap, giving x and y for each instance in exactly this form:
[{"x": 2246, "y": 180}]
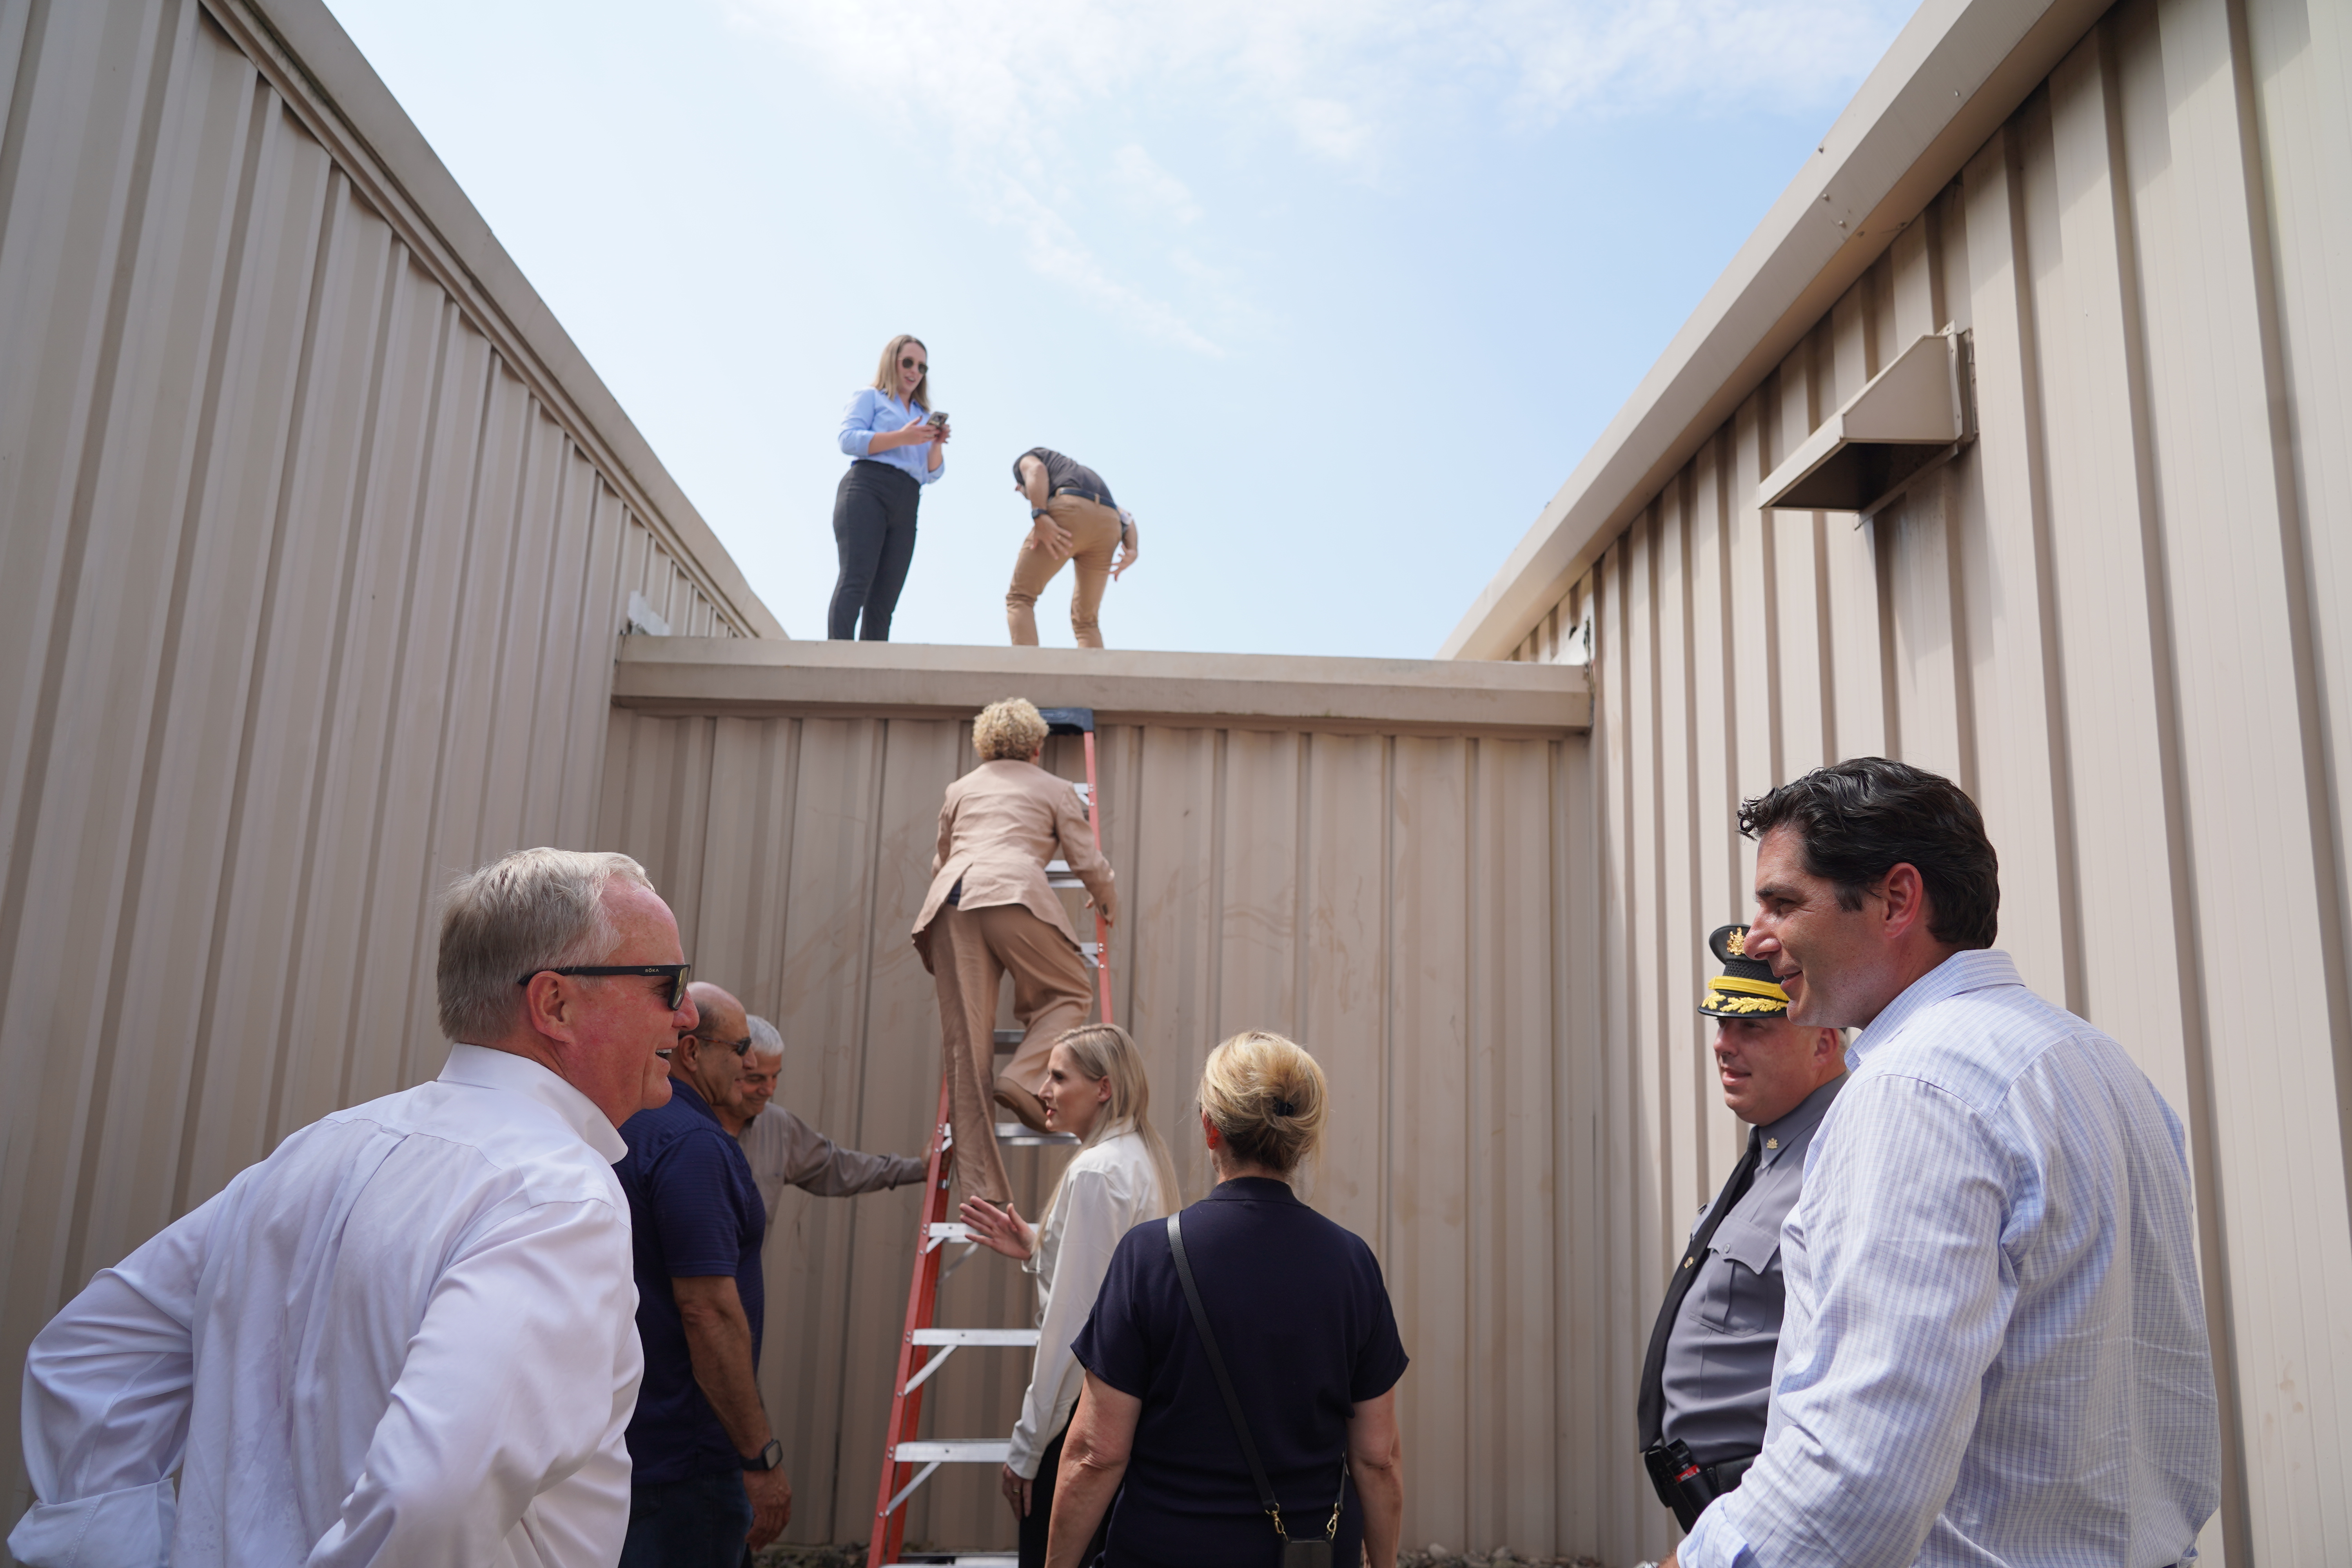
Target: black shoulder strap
[{"x": 1265, "y": 1499}]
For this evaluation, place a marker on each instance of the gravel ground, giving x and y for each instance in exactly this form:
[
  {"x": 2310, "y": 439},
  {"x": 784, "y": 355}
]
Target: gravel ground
[
  {"x": 780, "y": 1555},
  {"x": 1435, "y": 1556},
  {"x": 1432, "y": 1557}
]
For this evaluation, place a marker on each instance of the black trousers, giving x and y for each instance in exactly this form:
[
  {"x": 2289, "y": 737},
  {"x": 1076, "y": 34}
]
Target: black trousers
[
  {"x": 874, "y": 529},
  {"x": 1041, "y": 1511}
]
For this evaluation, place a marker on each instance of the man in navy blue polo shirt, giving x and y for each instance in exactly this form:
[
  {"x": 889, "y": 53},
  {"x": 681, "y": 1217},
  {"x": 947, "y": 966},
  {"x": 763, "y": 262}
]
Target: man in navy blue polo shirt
[{"x": 706, "y": 1482}]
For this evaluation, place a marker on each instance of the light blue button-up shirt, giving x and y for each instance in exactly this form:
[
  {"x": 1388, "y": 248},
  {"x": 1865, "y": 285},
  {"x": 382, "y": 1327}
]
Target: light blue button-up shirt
[
  {"x": 1994, "y": 1350},
  {"x": 872, "y": 414}
]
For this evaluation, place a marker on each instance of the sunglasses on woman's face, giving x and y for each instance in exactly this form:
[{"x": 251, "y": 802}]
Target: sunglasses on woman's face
[{"x": 912, "y": 363}]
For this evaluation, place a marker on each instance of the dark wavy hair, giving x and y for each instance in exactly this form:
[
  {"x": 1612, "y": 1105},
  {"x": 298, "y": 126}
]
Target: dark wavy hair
[{"x": 1859, "y": 818}]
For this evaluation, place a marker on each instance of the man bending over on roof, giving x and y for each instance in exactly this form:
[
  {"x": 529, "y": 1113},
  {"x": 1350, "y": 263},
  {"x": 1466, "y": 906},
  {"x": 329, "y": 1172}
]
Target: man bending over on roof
[{"x": 1071, "y": 517}]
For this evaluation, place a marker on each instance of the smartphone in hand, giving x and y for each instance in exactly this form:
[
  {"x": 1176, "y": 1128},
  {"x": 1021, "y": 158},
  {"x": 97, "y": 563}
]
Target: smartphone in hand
[{"x": 940, "y": 420}]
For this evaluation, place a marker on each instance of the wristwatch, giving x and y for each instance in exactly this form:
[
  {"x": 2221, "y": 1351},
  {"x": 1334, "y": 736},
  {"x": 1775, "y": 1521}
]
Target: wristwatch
[{"x": 769, "y": 1457}]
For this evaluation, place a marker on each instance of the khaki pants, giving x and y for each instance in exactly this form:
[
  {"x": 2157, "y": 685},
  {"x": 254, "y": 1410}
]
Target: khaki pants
[
  {"x": 971, "y": 950},
  {"x": 1094, "y": 537}
]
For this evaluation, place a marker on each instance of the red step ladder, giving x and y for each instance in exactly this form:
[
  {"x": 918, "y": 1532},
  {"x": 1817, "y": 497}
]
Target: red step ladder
[{"x": 902, "y": 1451}]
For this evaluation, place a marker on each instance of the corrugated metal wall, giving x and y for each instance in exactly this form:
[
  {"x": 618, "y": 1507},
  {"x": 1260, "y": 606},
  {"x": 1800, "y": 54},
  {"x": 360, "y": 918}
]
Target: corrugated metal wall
[
  {"x": 2119, "y": 621},
  {"x": 1407, "y": 906},
  {"x": 308, "y": 599}
]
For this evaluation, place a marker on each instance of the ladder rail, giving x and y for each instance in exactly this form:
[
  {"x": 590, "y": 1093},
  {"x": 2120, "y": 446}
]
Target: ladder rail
[
  {"x": 906, "y": 1389},
  {"x": 1102, "y": 927}
]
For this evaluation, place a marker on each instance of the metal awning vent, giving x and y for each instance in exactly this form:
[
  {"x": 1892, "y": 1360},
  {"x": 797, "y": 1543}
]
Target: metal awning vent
[{"x": 1914, "y": 414}]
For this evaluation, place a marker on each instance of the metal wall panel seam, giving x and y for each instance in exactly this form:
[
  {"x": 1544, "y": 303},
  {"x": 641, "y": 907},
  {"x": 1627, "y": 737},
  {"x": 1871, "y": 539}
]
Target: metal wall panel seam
[
  {"x": 2328, "y": 826},
  {"x": 2299, "y": 59},
  {"x": 464, "y": 366},
  {"x": 285, "y": 424},
  {"x": 260, "y": 40},
  {"x": 1681, "y": 1082},
  {"x": 375, "y": 885},
  {"x": 2001, "y": 593},
  {"x": 40, "y": 762},
  {"x": 325, "y": 729}
]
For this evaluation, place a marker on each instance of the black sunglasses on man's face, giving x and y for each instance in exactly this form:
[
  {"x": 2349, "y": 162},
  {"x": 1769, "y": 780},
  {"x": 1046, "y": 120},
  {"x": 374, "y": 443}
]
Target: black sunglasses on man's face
[{"x": 677, "y": 974}]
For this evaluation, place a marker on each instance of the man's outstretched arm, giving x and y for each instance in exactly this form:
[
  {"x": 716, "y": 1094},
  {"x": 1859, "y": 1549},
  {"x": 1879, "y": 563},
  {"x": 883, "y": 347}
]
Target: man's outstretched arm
[{"x": 813, "y": 1163}]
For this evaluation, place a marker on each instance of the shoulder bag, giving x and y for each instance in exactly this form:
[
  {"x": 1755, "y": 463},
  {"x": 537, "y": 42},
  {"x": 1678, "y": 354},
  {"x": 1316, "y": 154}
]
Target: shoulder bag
[{"x": 1295, "y": 1554}]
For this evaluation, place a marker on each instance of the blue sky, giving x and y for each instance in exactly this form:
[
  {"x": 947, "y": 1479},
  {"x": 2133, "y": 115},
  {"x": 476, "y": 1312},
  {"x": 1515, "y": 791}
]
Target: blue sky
[{"x": 1334, "y": 293}]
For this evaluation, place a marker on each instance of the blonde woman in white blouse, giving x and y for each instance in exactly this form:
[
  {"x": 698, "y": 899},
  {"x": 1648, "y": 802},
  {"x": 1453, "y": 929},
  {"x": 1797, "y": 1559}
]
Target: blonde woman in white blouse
[{"x": 1120, "y": 1177}]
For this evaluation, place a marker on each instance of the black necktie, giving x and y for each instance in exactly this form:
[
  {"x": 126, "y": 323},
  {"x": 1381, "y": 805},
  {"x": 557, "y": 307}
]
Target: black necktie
[{"x": 1653, "y": 1409}]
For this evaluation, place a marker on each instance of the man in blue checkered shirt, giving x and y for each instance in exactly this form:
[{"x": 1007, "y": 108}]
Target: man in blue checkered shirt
[{"x": 1994, "y": 1350}]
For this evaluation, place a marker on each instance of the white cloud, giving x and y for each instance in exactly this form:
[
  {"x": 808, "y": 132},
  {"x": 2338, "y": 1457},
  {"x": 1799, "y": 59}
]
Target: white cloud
[
  {"x": 1149, "y": 190},
  {"x": 1331, "y": 128},
  {"x": 1018, "y": 89}
]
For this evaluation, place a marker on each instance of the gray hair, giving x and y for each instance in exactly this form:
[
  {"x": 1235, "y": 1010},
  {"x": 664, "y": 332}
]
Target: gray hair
[
  {"x": 766, "y": 1040},
  {"x": 532, "y": 910}
]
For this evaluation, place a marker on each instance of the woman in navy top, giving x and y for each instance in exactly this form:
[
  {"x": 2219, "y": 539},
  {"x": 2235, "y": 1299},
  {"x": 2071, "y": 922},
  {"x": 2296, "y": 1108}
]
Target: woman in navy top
[
  {"x": 1299, "y": 1311},
  {"x": 895, "y": 451}
]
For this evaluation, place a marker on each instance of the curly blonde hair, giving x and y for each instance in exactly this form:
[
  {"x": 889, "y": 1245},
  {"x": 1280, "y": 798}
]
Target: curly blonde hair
[
  {"x": 1010, "y": 729},
  {"x": 1267, "y": 1098}
]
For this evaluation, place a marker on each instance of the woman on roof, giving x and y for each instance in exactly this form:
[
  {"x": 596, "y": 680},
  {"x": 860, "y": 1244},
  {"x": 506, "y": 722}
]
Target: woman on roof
[{"x": 897, "y": 442}]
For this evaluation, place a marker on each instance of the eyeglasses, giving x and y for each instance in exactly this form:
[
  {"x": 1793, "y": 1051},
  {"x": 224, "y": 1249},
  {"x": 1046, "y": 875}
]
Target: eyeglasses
[
  {"x": 741, "y": 1048},
  {"x": 911, "y": 362},
  {"x": 675, "y": 972}
]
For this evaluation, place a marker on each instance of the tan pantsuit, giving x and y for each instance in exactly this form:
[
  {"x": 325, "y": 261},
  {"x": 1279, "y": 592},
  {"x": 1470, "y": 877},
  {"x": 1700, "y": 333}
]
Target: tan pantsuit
[
  {"x": 1052, "y": 989},
  {"x": 999, "y": 826},
  {"x": 1094, "y": 540}
]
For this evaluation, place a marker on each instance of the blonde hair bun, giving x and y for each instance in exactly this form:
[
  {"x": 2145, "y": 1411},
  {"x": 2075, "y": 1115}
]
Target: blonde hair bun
[{"x": 1267, "y": 1099}]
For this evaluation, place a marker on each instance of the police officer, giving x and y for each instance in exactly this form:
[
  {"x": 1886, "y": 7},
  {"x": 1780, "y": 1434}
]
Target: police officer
[{"x": 1707, "y": 1380}]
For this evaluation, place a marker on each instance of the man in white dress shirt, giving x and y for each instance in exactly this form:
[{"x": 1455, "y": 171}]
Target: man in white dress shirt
[
  {"x": 1994, "y": 1350},
  {"x": 407, "y": 1335}
]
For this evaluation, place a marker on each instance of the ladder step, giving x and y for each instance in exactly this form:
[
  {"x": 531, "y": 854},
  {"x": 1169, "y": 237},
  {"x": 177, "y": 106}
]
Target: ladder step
[
  {"x": 959, "y": 1560},
  {"x": 957, "y": 1451},
  {"x": 1059, "y": 875},
  {"x": 1019, "y": 1338},
  {"x": 1009, "y": 1037}
]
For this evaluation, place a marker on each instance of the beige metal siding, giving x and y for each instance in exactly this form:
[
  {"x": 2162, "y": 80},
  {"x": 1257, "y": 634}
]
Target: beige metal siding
[
  {"x": 2118, "y": 620},
  {"x": 1403, "y": 905},
  {"x": 308, "y": 599}
]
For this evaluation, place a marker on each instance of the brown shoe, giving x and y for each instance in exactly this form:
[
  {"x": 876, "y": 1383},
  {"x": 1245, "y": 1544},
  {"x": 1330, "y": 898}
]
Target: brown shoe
[{"x": 1023, "y": 1104}]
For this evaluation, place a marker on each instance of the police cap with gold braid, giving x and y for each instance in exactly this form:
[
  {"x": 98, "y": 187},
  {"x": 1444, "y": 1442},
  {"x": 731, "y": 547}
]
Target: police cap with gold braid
[{"x": 1745, "y": 988}]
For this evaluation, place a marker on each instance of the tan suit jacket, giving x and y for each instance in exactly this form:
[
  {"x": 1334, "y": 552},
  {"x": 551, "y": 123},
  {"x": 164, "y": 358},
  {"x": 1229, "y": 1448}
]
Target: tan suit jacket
[{"x": 999, "y": 826}]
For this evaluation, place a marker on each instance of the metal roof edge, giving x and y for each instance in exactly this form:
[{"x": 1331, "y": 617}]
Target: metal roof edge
[
  {"x": 324, "y": 72},
  {"x": 1954, "y": 73},
  {"x": 679, "y": 675}
]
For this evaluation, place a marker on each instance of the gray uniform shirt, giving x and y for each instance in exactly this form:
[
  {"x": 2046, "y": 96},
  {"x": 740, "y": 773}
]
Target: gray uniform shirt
[
  {"x": 783, "y": 1151},
  {"x": 1718, "y": 1376}
]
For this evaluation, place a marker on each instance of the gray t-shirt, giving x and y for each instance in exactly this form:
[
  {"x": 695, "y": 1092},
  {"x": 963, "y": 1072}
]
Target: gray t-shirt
[{"x": 1065, "y": 473}]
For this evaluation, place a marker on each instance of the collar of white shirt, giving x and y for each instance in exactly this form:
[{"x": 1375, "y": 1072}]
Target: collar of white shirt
[
  {"x": 1977, "y": 969},
  {"x": 485, "y": 1067}
]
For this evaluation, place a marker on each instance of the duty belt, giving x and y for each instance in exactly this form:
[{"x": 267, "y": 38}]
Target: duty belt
[
  {"x": 1083, "y": 495},
  {"x": 1687, "y": 1487}
]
